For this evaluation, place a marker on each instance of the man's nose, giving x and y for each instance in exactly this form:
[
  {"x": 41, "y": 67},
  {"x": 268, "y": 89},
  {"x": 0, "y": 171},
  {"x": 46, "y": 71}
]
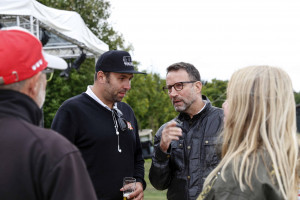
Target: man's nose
[
  {"x": 172, "y": 92},
  {"x": 127, "y": 85}
]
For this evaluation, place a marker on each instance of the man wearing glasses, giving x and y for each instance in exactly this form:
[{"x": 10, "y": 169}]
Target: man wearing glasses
[
  {"x": 185, "y": 148},
  {"x": 105, "y": 129},
  {"x": 36, "y": 163}
]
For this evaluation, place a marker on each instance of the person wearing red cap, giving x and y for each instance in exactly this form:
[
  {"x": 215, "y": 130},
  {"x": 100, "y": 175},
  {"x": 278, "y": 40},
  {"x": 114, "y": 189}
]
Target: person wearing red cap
[
  {"x": 105, "y": 129},
  {"x": 36, "y": 163}
]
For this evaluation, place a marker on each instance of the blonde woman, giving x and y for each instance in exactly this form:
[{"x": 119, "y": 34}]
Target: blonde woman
[{"x": 259, "y": 153}]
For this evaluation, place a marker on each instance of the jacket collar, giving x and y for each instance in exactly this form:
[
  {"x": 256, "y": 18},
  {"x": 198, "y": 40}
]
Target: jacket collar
[
  {"x": 206, "y": 108},
  {"x": 19, "y": 105}
]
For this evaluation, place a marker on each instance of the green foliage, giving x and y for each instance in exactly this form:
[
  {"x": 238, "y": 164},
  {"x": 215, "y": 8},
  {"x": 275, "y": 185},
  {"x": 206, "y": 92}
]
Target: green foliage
[
  {"x": 59, "y": 89},
  {"x": 297, "y": 97},
  {"x": 151, "y": 104},
  {"x": 215, "y": 91}
]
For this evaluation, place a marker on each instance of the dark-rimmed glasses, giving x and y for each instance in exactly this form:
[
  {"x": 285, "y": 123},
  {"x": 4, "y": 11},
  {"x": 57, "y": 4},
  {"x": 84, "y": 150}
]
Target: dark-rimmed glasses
[
  {"x": 49, "y": 73},
  {"x": 177, "y": 86}
]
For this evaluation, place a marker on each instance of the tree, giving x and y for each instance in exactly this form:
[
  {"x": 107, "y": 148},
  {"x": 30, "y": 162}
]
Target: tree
[
  {"x": 59, "y": 89},
  {"x": 151, "y": 104},
  {"x": 297, "y": 97},
  {"x": 215, "y": 91}
]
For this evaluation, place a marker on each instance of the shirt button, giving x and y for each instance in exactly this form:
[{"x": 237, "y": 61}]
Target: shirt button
[
  {"x": 189, "y": 147},
  {"x": 180, "y": 145},
  {"x": 206, "y": 142},
  {"x": 188, "y": 177},
  {"x": 168, "y": 156}
]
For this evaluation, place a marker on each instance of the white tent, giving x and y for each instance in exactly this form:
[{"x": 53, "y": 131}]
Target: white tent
[{"x": 68, "y": 25}]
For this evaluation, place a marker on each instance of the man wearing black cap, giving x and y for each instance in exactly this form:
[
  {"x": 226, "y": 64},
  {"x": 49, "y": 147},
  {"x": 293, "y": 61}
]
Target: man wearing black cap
[{"x": 105, "y": 129}]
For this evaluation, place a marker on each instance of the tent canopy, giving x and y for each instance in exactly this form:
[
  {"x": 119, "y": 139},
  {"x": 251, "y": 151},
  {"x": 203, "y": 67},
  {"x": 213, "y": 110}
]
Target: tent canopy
[{"x": 65, "y": 24}]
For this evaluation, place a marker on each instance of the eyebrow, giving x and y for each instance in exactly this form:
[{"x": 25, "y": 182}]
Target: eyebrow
[{"x": 130, "y": 76}]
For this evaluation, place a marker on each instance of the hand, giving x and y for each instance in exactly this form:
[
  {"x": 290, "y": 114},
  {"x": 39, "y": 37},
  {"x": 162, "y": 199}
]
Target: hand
[
  {"x": 138, "y": 193},
  {"x": 169, "y": 133}
]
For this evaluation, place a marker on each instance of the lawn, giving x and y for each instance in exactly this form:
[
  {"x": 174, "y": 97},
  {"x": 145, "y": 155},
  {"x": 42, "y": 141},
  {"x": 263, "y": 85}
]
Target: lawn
[{"x": 151, "y": 193}]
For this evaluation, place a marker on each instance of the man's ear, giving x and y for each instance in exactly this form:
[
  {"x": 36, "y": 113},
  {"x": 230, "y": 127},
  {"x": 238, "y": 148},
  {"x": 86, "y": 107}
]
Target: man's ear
[
  {"x": 199, "y": 86},
  {"x": 31, "y": 87},
  {"x": 101, "y": 77}
]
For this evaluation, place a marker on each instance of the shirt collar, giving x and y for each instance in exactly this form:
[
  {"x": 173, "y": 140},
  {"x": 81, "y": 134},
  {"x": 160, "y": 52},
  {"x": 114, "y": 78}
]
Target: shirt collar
[
  {"x": 183, "y": 115},
  {"x": 90, "y": 92},
  {"x": 205, "y": 102}
]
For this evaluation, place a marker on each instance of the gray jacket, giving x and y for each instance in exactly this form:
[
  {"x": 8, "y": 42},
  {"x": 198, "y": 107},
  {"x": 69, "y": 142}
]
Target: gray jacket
[{"x": 189, "y": 160}]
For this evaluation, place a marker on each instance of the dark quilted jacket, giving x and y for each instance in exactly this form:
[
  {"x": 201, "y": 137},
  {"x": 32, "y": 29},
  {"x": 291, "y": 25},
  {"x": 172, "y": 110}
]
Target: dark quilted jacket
[{"x": 189, "y": 160}]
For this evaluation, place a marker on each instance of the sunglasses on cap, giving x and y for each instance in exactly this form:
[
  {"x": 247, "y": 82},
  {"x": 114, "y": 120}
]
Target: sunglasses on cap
[
  {"x": 49, "y": 73},
  {"x": 122, "y": 123}
]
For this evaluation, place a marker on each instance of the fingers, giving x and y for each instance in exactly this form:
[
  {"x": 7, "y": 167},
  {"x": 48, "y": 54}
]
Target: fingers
[
  {"x": 169, "y": 133},
  {"x": 138, "y": 193},
  {"x": 128, "y": 186},
  {"x": 139, "y": 197}
]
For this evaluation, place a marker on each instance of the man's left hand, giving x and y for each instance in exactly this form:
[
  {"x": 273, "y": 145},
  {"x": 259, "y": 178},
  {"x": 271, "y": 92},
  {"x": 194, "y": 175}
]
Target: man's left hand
[{"x": 138, "y": 193}]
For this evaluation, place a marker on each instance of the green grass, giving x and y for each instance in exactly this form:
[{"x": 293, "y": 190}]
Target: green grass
[{"x": 151, "y": 193}]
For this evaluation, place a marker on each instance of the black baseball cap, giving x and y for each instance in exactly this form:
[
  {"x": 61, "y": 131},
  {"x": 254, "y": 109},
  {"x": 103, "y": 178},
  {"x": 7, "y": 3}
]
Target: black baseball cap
[{"x": 116, "y": 61}]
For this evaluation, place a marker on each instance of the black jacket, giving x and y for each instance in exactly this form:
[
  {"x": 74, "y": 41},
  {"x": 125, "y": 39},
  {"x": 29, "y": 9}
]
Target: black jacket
[
  {"x": 189, "y": 160},
  {"x": 37, "y": 163}
]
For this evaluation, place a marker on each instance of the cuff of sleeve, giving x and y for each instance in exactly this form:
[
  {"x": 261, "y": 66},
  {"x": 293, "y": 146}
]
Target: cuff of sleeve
[
  {"x": 142, "y": 181},
  {"x": 161, "y": 156}
]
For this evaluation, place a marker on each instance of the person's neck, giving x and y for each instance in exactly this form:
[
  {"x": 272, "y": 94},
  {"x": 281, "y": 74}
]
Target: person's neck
[
  {"x": 98, "y": 93},
  {"x": 195, "y": 108}
]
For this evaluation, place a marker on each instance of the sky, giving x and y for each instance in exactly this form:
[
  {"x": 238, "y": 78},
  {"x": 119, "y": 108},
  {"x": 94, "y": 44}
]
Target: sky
[{"x": 216, "y": 36}]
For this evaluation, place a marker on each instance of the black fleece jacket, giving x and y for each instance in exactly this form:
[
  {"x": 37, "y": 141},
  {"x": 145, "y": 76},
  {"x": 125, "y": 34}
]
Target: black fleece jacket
[{"x": 37, "y": 163}]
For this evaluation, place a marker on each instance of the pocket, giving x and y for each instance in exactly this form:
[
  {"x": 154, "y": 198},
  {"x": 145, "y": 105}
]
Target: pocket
[
  {"x": 194, "y": 193},
  {"x": 212, "y": 151},
  {"x": 177, "y": 154}
]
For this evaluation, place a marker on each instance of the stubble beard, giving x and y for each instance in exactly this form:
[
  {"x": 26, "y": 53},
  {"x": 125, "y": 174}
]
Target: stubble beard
[
  {"x": 114, "y": 96},
  {"x": 180, "y": 108},
  {"x": 185, "y": 106},
  {"x": 112, "y": 93}
]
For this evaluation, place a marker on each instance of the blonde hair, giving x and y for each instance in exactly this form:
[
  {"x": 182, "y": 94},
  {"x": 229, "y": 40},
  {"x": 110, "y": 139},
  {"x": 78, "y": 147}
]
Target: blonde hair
[{"x": 262, "y": 116}]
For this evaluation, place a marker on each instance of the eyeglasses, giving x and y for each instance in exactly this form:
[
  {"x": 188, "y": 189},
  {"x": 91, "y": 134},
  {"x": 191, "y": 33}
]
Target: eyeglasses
[
  {"x": 177, "y": 86},
  {"x": 117, "y": 116},
  {"x": 49, "y": 73}
]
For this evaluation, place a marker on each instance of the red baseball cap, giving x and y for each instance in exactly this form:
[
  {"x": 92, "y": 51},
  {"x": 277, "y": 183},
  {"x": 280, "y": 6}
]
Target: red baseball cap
[{"x": 21, "y": 56}]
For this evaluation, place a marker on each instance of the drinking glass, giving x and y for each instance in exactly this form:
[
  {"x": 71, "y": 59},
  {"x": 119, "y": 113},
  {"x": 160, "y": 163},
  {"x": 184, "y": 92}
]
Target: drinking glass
[{"x": 129, "y": 186}]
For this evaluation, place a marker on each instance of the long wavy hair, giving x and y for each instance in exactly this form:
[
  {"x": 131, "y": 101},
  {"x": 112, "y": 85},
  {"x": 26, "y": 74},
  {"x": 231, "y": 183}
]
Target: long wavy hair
[{"x": 262, "y": 116}]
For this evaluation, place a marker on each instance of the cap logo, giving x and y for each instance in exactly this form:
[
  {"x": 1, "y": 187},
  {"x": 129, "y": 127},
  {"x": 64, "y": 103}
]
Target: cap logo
[
  {"x": 37, "y": 64},
  {"x": 127, "y": 61}
]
